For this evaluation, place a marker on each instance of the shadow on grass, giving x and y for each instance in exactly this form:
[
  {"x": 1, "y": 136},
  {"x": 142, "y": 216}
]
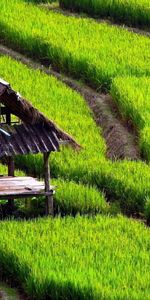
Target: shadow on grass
[{"x": 18, "y": 274}]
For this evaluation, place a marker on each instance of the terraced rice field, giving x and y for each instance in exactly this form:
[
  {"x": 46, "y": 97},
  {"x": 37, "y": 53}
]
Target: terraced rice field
[
  {"x": 64, "y": 42},
  {"x": 131, "y": 12},
  {"x": 81, "y": 257},
  {"x": 90, "y": 165}
]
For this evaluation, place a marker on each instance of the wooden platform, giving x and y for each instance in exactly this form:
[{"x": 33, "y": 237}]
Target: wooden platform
[{"x": 22, "y": 187}]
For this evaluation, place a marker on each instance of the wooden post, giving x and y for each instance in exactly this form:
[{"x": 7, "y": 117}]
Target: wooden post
[
  {"x": 8, "y": 118},
  {"x": 11, "y": 165},
  {"x": 49, "y": 202},
  {"x": 11, "y": 172}
]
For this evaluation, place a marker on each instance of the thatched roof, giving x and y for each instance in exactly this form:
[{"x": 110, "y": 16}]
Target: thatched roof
[{"x": 29, "y": 115}]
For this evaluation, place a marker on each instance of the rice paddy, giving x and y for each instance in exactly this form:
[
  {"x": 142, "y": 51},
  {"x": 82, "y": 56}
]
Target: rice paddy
[
  {"x": 130, "y": 12},
  {"x": 81, "y": 258},
  {"x": 64, "y": 42},
  {"x": 89, "y": 166},
  {"x": 88, "y": 250}
]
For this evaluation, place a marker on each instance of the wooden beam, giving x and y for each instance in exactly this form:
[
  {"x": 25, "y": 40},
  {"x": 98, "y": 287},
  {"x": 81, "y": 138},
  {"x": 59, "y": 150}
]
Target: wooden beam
[
  {"x": 11, "y": 166},
  {"x": 8, "y": 118},
  {"x": 11, "y": 172},
  {"x": 49, "y": 202},
  {"x": 25, "y": 194},
  {"x": 5, "y": 110}
]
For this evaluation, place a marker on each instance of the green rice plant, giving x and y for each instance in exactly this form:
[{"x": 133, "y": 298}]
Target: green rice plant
[
  {"x": 132, "y": 95},
  {"x": 40, "y": 1},
  {"x": 76, "y": 198},
  {"x": 71, "y": 199},
  {"x": 3, "y": 170},
  {"x": 147, "y": 210},
  {"x": 127, "y": 182},
  {"x": 95, "y": 53},
  {"x": 130, "y": 12},
  {"x": 77, "y": 258},
  {"x": 145, "y": 142}
]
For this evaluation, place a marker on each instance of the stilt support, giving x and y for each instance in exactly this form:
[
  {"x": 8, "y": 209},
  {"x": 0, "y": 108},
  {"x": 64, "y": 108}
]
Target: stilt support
[
  {"x": 49, "y": 202},
  {"x": 11, "y": 172}
]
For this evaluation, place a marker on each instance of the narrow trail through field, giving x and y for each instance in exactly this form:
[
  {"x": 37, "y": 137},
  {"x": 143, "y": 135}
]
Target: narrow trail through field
[
  {"x": 57, "y": 9},
  {"x": 121, "y": 138},
  {"x": 8, "y": 293}
]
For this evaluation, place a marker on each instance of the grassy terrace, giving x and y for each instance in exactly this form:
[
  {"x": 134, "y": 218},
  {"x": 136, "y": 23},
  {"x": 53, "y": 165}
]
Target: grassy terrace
[
  {"x": 88, "y": 257},
  {"x": 132, "y": 95},
  {"x": 65, "y": 43},
  {"x": 81, "y": 258},
  {"x": 40, "y": 1},
  {"x": 71, "y": 199},
  {"x": 127, "y": 182},
  {"x": 131, "y": 12}
]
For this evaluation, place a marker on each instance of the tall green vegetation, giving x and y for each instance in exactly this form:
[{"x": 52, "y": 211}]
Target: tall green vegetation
[
  {"x": 82, "y": 257},
  {"x": 96, "y": 53},
  {"x": 132, "y": 95},
  {"x": 127, "y": 182},
  {"x": 71, "y": 199},
  {"x": 131, "y": 12},
  {"x": 77, "y": 258},
  {"x": 93, "y": 52},
  {"x": 40, "y": 1}
]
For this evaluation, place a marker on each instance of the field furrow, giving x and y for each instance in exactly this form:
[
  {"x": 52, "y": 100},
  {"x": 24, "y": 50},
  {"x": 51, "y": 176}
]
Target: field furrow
[{"x": 132, "y": 94}]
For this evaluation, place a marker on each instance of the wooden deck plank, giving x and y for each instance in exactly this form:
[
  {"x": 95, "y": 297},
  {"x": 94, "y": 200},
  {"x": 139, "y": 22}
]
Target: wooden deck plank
[
  {"x": 21, "y": 187},
  {"x": 21, "y": 183},
  {"x": 11, "y": 178},
  {"x": 25, "y": 194}
]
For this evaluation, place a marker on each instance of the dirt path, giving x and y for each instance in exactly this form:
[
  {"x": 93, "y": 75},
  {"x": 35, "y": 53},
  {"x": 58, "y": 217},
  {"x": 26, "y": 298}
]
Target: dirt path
[
  {"x": 8, "y": 293},
  {"x": 121, "y": 139},
  {"x": 55, "y": 7}
]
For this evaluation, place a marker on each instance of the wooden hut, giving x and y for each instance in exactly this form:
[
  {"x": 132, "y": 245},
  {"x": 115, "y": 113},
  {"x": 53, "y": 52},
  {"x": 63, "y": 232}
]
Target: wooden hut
[{"x": 24, "y": 130}]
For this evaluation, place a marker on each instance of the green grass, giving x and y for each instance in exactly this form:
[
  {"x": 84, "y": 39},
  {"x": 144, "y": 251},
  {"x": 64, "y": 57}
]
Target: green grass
[
  {"x": 77, "y": 258},
  {"x": 132, "y": 96},
  {"x": 130, "y": 12},
  {"x": 93, "y": 52},
  {"x": 83, "y": 257},
  {"x": 126, "y": 182},
  {"x": 3, "y": 170},
  {"x": 71, "y": 199},
  {"x": 40, "y": 1}
]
